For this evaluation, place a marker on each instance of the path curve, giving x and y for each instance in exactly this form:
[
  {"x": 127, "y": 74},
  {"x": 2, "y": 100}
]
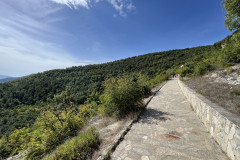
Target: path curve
[{"x": 168, "y": 129}]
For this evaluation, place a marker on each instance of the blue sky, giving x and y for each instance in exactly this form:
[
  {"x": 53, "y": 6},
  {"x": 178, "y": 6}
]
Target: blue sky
[{"x": 39, "y": 35}]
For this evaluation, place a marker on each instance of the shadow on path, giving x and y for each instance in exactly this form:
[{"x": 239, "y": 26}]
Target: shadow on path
[{"x": 153, "y": 116}]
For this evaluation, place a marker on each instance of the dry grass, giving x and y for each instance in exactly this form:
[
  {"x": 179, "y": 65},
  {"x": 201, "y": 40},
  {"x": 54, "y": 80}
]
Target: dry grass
[
  {"x": 222, "y": 94},
  {"x": 108, "y": 128}
]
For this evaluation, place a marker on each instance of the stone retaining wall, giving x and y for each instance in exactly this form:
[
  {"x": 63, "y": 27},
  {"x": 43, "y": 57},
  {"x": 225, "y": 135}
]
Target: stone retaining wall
[{"x": 223, "y": 125}]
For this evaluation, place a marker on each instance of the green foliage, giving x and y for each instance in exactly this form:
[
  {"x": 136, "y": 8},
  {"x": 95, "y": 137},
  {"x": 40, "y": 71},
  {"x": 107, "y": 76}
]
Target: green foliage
[
  {"x": 231, "y": 51},
  {"x": 93, "y": 97},
  {"x": 232, "y": 7},
  {"x": 49, "y": 131},
  {"x": 185, "y": 71},
  {"x": 66, "y": 99},
  {"x": 17, "y": 117},
  {"x": 78, "y": 147},
  {"x": 5, "y": 149},
  {"x": 236, "y": 92},
  {"x": 224, "y": 54},
  {"x": 171, "y": 72},
  {"x": 52, "y": 128},
  {"x": 158, "y": 79},
  {"x": 55, "y": 123},
  {"x": 18, "y": 139},
  {"x": 202, "y": 67},
  {"x": 144, "y": 82},
  {"x": 121, "y": 95}
]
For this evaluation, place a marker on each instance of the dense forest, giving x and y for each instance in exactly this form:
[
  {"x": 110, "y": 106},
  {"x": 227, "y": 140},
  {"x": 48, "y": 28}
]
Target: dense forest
[
  {"x": 43, "y": 114},
  {"x": 84, "y": 80}
]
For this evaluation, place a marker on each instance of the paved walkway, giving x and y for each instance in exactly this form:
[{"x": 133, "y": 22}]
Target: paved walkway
[{"x": 168, "y": 130}]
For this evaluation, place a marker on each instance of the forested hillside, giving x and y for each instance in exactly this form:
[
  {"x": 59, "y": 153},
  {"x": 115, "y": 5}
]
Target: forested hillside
[
  {"x": 58, "y": 103},
  {"x": 84, "y": 80}
]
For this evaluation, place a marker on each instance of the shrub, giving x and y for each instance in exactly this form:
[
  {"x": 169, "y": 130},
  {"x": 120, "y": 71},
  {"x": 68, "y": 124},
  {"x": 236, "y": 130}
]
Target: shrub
[
  {"x": 231, "y": 52},
  {"x": 185, "y": 71},
  {"x": 171, "y": 72},
  {"x": 121, "y": 95},
  {"x": 79, "y": 147},
  {"x": 144, "y": 83},
  {"x": 50, "y": 129},
  {"x": 18, "y": 139},
  {"x": 5, "y": 149},
  {"x": 202, "y": 67},
  {"x": 229, "y": 69},
  {"x": 158, "y": 79}
]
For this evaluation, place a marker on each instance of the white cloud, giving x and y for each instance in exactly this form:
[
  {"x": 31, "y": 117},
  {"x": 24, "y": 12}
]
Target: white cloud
[
  {"x": 118, "y": 6},
  {"x": 27, "y": 34},
  {"x": 130, "y": 7},
  {"x": 24, "y": 45},
  {"x": 121, "y": 6},
  {"x": 74, "y": 3},
  {"x": 21, "y": 54},
  {"x": 35, "y": 8}
]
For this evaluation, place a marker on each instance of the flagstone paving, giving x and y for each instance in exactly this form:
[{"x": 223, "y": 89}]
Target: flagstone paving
[{"x": 168, "y": 129}]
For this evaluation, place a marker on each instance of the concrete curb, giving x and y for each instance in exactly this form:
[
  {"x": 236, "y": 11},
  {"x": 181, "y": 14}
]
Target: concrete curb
[{"x": 120, "y": 136}]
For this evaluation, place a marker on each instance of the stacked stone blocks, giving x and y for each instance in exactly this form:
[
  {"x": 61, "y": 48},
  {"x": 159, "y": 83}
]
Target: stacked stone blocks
[{"x": 222, "y": 125}]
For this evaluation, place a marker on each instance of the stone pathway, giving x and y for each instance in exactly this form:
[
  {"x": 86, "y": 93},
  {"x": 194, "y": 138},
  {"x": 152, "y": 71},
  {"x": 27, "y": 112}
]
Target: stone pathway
[{"x": 168, "y": 130}]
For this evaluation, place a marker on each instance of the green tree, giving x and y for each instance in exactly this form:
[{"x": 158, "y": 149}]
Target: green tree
[{"x": 232, "y": 7}]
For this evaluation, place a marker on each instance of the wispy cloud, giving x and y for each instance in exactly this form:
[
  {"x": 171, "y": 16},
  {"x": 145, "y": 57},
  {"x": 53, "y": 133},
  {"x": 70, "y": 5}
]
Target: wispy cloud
[
  {"x": 29, "y": 36},
  {"x": 21, "y": 54},
  {"x": 74, "y": 3},
  {"x": 24, "y": 41},
  {"x": 121, "y": 6}
]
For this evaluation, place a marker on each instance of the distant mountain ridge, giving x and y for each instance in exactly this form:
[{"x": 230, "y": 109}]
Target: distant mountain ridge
[
  {"x": 4, "y": 76},
  {"x": 8, "y": 79}
]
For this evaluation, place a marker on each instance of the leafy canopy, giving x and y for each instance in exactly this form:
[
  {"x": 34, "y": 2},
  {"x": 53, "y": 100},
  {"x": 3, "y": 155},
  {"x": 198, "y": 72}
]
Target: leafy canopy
[{"x": 232, "y": 7}]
